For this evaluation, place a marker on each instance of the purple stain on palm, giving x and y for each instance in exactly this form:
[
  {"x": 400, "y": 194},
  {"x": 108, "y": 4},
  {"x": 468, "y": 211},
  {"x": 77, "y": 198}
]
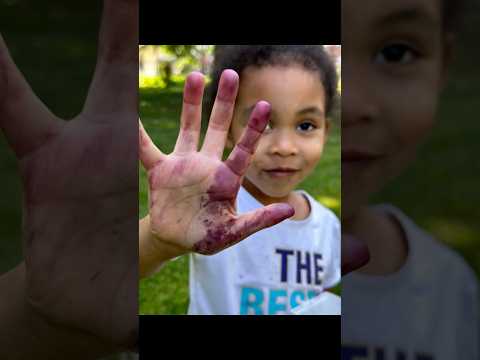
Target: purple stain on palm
[
  {"x": 220, "y": 202},
  {"x": 224, "y": 187},
  {"x": 224, "y": 235}
]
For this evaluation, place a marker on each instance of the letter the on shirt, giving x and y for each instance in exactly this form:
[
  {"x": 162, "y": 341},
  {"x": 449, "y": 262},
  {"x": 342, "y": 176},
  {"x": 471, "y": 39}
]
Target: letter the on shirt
[
  {"x": 251, "y": 299},
  {"x": 284, "y": 263},
  {"x": 354, "y": 353},
  {"x": 423, "y": 357},
  {"x": 303, "y": 266},
  {"x": 379, "y": 354},
  {"x": 318, "y": 268}
]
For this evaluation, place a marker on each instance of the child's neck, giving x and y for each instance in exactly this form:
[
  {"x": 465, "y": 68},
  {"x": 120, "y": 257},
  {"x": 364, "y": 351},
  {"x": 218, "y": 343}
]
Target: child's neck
[
  {"x": 296, "y": 200},
  {"x": 384, "y": 237}
]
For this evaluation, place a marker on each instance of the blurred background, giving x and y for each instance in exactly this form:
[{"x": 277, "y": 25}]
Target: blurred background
[{"x": 162, "y": 73}]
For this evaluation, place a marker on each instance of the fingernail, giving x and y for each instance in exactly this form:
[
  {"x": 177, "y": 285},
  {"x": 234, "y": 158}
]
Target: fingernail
[
  {"x": 193, "y": 88},
  {"x": 286, "y": 209},
  {"x": 228, "y": 85},
  {"x": 260, "y": 116}
]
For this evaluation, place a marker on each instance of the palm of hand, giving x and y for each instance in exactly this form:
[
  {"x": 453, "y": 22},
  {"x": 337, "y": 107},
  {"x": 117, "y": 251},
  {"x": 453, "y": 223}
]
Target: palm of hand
[
  {"x": 197, "y": 197},
  {"x": 81, "y": 191},
  {"x": 79, "y": 199},
  {"x": 193, "y": 193}
]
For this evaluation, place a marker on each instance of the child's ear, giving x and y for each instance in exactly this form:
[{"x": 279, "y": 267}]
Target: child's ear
[
  {"x": 327, "y": 127},
  {"x": 447, "y": 58}
]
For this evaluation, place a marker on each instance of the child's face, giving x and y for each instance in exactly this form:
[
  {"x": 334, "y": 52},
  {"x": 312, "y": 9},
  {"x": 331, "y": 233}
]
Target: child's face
[
  {"x": 297, "y": 130},
  {"x": 393, "y": 71}
]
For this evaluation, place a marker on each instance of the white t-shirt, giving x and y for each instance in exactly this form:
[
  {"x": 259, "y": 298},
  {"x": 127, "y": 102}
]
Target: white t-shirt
[
  {"x": 273, "y": 270},
  {"x": 428, "y": 310}
]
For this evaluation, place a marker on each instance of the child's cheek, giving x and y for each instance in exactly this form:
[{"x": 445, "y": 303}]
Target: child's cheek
[
  {"x": 422, "y": 119},
  {"x": 313, "y": 151},
  {"x": 412, "y": 104}
]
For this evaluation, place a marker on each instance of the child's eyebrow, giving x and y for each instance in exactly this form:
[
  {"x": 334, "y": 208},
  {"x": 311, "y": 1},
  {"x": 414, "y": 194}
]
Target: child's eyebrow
[
  {"x": 311, "y": 110},
  {"x": 408, "y": 15}
]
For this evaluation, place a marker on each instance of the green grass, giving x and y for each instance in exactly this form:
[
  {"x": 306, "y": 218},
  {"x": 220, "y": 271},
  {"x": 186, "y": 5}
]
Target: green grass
[{"x": 167, "y": 291}]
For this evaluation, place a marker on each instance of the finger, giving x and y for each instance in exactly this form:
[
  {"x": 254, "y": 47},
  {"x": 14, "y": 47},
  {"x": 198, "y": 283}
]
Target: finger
[
  {"x": 240, "y": 157},
  {"x": 114, "y": 87},
  {"x": 246, "y": 225},
  {"x": 25, "y": 120},
  {"x": 149, "y": 154},
  {"x": 190, "y": 120},
  {"x": 221, "y": 117},
  {"x": 354, "y": 254}
]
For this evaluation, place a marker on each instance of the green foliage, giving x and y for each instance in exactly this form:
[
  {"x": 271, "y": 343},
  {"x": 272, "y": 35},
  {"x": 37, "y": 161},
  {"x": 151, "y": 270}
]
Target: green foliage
[
  {"x": 151, "y": 82},
  {"x": 179, "y": 50}
]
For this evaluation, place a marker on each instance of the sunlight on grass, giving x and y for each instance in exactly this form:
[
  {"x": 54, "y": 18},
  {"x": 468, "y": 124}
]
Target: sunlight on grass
[
  {"x": 145, "y": 81},
  {"x": 157, "y": 82},
  {"x": 452, "y": 232},
  {"x": 330, "y": 202}
]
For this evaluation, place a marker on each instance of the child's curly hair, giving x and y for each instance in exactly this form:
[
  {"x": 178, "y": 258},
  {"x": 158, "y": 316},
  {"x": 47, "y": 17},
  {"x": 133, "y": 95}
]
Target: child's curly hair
[
  {"x": 239, "y": 57},
  {"x": 452, "y": 14}
]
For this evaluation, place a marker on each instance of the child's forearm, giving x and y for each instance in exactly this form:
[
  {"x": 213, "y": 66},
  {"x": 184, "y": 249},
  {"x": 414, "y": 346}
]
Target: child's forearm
[
  {"x": 26, "y": 334},
  {"x": 152, "y": 253}
]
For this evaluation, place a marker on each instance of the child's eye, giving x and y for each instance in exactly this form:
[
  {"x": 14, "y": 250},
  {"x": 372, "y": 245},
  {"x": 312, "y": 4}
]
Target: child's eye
[
  {"x": 306, "y": 126},
  {"x": 401, "y": 54}
]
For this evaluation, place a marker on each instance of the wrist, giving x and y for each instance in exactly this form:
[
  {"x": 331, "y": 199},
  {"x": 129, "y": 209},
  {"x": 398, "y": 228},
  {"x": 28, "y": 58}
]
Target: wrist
[
  {"x": 153, "y": 252},
  {"x": 28, "y": 334}
]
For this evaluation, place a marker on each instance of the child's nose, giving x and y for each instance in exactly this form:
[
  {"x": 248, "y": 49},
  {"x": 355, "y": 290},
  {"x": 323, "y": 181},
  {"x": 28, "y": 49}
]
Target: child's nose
[
  {"x": 360, "y": 99},
  {"x": 283, "y": 144}
]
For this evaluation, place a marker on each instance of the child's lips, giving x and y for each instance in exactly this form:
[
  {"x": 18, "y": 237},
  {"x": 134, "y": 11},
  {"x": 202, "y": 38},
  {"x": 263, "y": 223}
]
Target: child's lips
[
  {"x": 357, "y": 159},
  {"x": 281, "y": 172},
  {"x": 357, "y": 155},
  {"x": 352, "y": 155}
]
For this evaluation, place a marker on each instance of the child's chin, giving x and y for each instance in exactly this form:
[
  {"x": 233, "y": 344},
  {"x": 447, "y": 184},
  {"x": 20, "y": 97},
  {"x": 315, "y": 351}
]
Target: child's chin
[{"x": 276, "y": 192}]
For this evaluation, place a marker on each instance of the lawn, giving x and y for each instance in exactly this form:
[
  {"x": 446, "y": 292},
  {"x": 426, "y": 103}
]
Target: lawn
[{"x": 167, "y": 291}]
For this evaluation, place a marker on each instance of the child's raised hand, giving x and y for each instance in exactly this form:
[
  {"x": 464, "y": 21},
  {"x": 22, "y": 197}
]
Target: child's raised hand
[{"x": 192, "y": 193}]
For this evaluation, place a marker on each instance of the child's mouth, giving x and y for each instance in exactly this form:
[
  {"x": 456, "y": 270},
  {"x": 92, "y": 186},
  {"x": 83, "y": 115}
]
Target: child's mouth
[
  {"x": 351, "y": 156},
  {"x": 281, "y": 172}
]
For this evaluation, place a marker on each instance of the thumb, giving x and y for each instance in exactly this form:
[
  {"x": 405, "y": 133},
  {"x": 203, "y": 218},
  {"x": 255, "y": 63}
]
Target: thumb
[
  {"x": 265, "y": 217},
  {"x": 148, "y": 153},
  {"x": 245, "y": 225},
  {"x": 354, "y": 254}
]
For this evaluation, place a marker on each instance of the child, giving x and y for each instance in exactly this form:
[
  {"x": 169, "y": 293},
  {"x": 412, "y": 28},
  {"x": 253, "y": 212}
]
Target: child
[
  {"x": 415, "y": 299},
  {"x": 276, "y": 269}
]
